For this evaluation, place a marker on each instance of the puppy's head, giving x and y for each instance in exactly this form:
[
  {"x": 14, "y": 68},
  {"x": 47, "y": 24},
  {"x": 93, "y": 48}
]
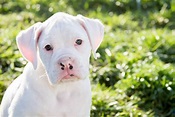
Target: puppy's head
[{"x": 61, "y": 45}]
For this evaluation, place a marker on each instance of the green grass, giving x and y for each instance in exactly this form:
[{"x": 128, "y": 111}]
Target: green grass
[{"x": 134, "y": 74}]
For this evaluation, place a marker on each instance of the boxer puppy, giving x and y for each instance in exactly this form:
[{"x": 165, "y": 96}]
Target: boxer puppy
[{"x": 55, "y": 81}]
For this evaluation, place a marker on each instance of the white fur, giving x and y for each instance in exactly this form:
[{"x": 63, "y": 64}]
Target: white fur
[{"x": 44, "y": 89}]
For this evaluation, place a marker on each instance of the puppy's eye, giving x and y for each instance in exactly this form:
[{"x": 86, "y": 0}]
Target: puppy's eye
[
  {"x": 78, "y": 41},
  {"x": 48, "y": 47}
]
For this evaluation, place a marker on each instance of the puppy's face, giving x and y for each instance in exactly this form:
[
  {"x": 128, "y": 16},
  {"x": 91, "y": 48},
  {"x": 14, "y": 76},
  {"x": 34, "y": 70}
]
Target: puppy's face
[
  {"x": 61, "y": 46},
  {"x": 64, "y": 50}
]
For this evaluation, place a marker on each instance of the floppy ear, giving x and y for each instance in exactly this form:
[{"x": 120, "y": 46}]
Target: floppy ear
[
  {"x": 95, "y": 31},
  {"x": 27, "y": 43}
]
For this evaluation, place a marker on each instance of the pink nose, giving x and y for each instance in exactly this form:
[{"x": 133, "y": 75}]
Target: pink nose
[
  {"x": 66, "y": 63},
  {"x": 63, "y": 66}
]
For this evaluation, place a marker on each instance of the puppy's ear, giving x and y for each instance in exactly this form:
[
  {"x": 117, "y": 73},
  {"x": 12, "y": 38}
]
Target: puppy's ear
[
  {"x": 27, "y": 43},
  {"x": 95, "y": 31}
]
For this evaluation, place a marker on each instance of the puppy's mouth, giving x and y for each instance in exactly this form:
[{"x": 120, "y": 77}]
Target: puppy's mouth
[
  {"x": 58, "y": 76},
  {"x": 69, "y": 77}
]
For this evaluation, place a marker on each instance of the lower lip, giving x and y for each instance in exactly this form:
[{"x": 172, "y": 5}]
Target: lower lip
[{"x": 68, "y": 77}]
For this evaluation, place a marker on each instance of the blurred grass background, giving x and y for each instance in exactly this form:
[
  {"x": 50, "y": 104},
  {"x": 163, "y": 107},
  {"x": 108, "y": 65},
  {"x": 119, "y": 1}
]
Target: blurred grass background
[{"x": 134, "y": 74}]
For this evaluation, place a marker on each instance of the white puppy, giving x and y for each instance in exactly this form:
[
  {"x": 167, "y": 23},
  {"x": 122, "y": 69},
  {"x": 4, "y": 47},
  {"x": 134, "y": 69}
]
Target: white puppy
[{"x": 55, "y": 82}]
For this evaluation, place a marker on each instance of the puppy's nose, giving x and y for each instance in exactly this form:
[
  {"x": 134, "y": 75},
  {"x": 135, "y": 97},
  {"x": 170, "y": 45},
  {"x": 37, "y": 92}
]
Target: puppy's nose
[{"x": 64, "y": 65}]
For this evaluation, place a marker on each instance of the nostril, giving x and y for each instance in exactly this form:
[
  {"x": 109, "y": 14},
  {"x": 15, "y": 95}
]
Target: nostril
[
  {"x": 70, "y": 66},
  {"x": 62, "y": 64}
]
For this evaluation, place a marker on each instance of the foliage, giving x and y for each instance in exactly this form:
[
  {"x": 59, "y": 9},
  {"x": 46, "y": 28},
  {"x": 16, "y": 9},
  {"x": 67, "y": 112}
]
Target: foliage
[{"x": 134, "y": 73}]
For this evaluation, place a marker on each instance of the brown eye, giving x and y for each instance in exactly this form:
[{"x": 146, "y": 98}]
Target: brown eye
[
  {"x": 48, "y": 47},
  {"x": 78, "y": 41}
]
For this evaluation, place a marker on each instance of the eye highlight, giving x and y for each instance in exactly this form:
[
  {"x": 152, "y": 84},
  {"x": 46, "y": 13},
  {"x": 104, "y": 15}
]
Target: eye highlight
[
  {"x": 78, "y": 41},
  {"x": 48, "y": 48}
]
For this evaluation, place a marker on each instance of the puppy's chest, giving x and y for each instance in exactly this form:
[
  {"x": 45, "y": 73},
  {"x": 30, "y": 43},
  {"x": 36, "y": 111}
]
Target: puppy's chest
[
  {"x": 68, "y": 104},
  {"x": 66, "y": 96},
  {"x": 65, "y": 100}
]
